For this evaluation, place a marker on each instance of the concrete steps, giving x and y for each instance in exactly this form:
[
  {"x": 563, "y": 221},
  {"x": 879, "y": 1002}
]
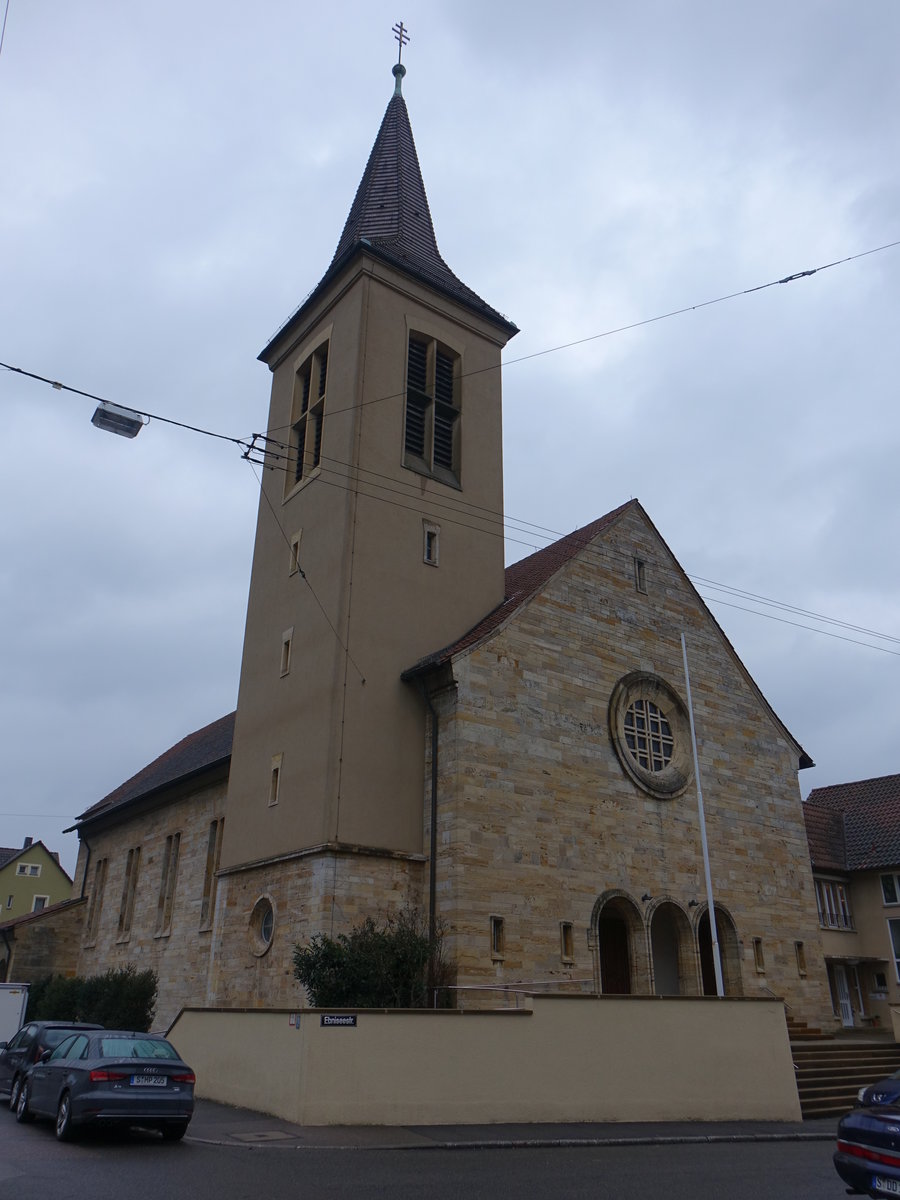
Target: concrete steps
[{"x": 830, "y": 1072}]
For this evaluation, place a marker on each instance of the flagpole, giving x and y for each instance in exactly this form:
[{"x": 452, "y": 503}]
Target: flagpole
[{"x": 713, "y": 930}]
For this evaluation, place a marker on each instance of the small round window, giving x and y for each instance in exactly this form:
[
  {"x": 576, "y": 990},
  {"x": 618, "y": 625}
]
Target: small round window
[
  {"x": 650, "y": 731},
  {"x": 262, "y": 925},
  {"x": 648, "y": 736}
]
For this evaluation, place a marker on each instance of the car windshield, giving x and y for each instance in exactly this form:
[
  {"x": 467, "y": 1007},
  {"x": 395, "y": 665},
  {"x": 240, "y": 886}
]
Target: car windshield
[{"x": 136, "y": 1047}]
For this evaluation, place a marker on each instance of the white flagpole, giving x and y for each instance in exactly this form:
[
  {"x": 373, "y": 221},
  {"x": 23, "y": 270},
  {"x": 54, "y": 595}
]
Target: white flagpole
[{"x": 713, "y": 931}]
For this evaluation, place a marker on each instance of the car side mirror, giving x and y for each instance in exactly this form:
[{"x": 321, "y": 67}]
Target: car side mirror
[{"x": 45, "y": 1056}]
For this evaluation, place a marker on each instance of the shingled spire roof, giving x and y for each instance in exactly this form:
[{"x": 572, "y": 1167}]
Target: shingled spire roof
[{"x": 390, "y": 217}]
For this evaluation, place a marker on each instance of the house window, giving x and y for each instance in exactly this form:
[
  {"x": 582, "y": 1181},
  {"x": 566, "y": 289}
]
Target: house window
[
  {"x": 213, "y": 851},
  {"x": 498, "y": 938},
  {"x": 894, "y": 927},
  {"x": 307, "y": 417},
  {"x": 566, "y": 941},
  {"x": 129, "y": 887},
  {"x": 166, "y": 901},
  {"x": 93, "y": 918},
  {"x": 275, "y": 779},
  {"x": 758, "y": 959},
  {"x": 890, "y": 889},
  {"x": 295, "y": 553},
  {"x": 286, "y": 639},
  {"x": 39, "y": 902},
  {"x": 801, "y": 958},
  {"x": 648, "y": 736},
  {"x": 33, "y": 870},
  {"x": 9, "y": 902},
  {"x": 430, "y": 543},
  {"x": 431, "y": 431},
  {"x": 833, "y": 902},
  {"x": 640, "y": 575},
  {"x": 880, "y": 981}
]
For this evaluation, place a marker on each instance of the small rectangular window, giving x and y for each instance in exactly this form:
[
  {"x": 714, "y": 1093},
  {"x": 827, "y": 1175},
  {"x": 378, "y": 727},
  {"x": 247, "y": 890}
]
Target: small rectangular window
[
  {"x": 881, "y": 981},
  {"x": 275, "y": 779},
  {"x": 566, "y": 941},
  {"x": 9, "y": 902},
  {"x": 498, "y": 939},
  {"x": 640, "y": 575},
  {"x": 295, "y": 553},
  {"x": 889, "y": 889},
  {"x": 286, "y": 639},
  {"x": 758, "y": 960},
  {"x": 39, "y": 903},
  {"x": 431, "y": 543},
  {"x": 801, "y": 958}
]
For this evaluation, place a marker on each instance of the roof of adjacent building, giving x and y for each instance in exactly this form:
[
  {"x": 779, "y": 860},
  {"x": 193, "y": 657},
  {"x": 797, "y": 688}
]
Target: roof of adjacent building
[
  {"x": 390, "y": 218},
  {"x": 854, "y": 826},
  {"x": 200, "y": 751}
]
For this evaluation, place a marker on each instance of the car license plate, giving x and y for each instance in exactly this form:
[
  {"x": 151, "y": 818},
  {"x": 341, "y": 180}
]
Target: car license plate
[
  {"x": 887, "y": 1187},
  {"x": 148, "y": 1081}
]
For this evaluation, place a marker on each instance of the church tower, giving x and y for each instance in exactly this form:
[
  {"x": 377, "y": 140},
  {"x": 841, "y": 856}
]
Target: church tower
[{"x": 379, "y": 541}]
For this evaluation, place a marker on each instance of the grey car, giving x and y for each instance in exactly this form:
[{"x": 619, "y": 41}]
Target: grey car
[
  {"x": 27, "y": 1046},
  {"x": 110, "y": 1077}
]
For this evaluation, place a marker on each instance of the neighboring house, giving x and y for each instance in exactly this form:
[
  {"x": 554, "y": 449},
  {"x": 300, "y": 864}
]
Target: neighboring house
[
  {"x": 853, "y": 831},
  {"x": 505, "y": 749},
  {"x": 31, "y": 879}
]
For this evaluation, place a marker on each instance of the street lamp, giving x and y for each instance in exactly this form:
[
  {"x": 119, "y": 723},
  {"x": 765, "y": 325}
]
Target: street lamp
[{"x": 114, "y": 419}]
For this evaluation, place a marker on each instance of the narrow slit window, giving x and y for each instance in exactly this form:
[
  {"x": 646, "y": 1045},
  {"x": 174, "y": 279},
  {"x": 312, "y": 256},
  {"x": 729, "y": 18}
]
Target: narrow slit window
[
  {"x": 275, "y": 779},
  {"x": 93, "y": 918},
  {"x": 801, "y": 958},
  {"x": 166, "y": 903},
  {"x": 758, "y": 958},
  {"x": 295, "y": 554},
  {"x": 498, "y": 937},
  {"x": 431, "y": 543},
  {"x": 129, "y": 889},
  {"x": 640, "y": 575},
  {"x": 213, "y": 852},
  {"x": 566, "y": 941},
  {"x": 286, "y": 639}
]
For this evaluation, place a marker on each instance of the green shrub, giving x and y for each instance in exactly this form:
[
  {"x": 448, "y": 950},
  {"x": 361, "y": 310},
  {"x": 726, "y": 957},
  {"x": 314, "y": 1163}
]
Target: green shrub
[
  {"x": 120, "y": 999},
  {"x": 387, "y": 965}
]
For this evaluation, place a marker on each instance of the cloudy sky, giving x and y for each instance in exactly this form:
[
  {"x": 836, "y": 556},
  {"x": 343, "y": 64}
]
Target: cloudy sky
[{"x": 175, "y": 180}]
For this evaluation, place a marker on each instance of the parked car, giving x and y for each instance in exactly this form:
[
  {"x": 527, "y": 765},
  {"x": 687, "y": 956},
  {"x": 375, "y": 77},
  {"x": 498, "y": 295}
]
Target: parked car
[
  {"x": 110, "y": 1077},
  {"x": 868, "y": 1151},
  {"x": 885, "y": 1091},
  {"x": 26, "y": 1047}
]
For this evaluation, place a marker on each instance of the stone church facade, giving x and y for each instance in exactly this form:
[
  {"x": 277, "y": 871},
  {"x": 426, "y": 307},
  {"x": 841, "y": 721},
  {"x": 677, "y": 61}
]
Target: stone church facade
[{"x": 507, "y": 750}]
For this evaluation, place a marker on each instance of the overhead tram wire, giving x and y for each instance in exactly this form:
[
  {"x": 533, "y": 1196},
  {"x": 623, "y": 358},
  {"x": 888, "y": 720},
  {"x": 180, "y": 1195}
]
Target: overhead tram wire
[{"x": 594, "y": 337}]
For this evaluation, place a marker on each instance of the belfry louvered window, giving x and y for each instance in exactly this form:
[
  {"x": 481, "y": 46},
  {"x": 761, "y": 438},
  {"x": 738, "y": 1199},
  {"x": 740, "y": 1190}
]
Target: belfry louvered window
[
  {"x": 431, "y": 426},
  {"x": 307, "y": 417}
]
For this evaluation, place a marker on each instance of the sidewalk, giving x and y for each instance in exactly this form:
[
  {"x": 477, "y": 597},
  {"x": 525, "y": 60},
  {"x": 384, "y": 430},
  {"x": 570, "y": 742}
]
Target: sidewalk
[{"x": 218, "y": 1124}]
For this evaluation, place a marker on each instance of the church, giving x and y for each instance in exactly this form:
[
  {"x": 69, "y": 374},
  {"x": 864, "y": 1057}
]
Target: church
[{"x": 507, "y": 750}]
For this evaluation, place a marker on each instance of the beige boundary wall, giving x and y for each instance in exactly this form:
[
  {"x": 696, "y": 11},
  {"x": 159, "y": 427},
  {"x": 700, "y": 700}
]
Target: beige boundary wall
[{"x": 565, "y": 1058}]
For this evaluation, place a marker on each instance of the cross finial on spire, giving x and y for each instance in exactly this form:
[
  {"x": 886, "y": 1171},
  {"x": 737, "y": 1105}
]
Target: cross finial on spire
[{"x": 401, "y": 33}]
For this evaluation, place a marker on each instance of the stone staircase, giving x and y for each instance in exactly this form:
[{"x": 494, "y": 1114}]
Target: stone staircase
[{"x": 831, "y": 1070}]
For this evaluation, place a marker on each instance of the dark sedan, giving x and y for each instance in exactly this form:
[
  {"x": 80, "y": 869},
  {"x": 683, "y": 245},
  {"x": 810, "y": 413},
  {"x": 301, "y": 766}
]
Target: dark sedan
[
  {"x": 868, "y": 1151},
  {"x": 110, "y": 1077},
  {"x": 26, "y": 1048}
]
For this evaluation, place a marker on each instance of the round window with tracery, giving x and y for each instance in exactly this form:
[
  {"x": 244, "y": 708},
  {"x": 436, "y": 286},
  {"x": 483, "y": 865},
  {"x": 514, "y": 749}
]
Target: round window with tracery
[{"x": 648, "y": 736}]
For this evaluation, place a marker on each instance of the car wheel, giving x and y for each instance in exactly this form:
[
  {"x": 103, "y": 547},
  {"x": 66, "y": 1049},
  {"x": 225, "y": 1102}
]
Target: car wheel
[
  {"x": 23, "y": 1112},
  {"x": 174, "y": 1133},
  {"x": 64, "y": 1118},
  {"x": 14, "y": 1093}
]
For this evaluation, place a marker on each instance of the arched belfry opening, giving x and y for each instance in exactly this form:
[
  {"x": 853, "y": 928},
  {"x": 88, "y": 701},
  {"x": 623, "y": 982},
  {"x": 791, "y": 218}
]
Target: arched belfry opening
[
  {"x": 672, "y": 950},
  {"x": 621, "y": 959},
  {"x": 729, "y": 952}
]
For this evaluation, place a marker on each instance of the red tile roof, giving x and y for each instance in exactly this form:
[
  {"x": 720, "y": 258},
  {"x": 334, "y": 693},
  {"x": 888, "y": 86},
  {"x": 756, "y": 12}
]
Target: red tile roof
[
  {"x": 868, "y": 812},
  {"x": 199, "y": 751}
]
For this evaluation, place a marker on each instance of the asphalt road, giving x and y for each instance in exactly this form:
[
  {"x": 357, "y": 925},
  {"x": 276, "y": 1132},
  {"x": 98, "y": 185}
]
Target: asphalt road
[{"x": 33, "y": 1166}]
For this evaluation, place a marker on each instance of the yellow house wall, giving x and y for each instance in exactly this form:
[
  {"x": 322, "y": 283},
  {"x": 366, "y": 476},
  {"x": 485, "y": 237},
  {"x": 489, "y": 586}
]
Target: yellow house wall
[
  {"x": 568, "y": 1059},
  {"x": 17, "y": 892}
]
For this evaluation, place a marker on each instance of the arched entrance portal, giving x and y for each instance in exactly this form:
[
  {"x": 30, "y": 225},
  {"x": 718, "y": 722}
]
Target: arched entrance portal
[
  {"x": 671, "y": 945},
  {"x": 729, "y": 952},
  {"x": 618, "y": 926}
]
